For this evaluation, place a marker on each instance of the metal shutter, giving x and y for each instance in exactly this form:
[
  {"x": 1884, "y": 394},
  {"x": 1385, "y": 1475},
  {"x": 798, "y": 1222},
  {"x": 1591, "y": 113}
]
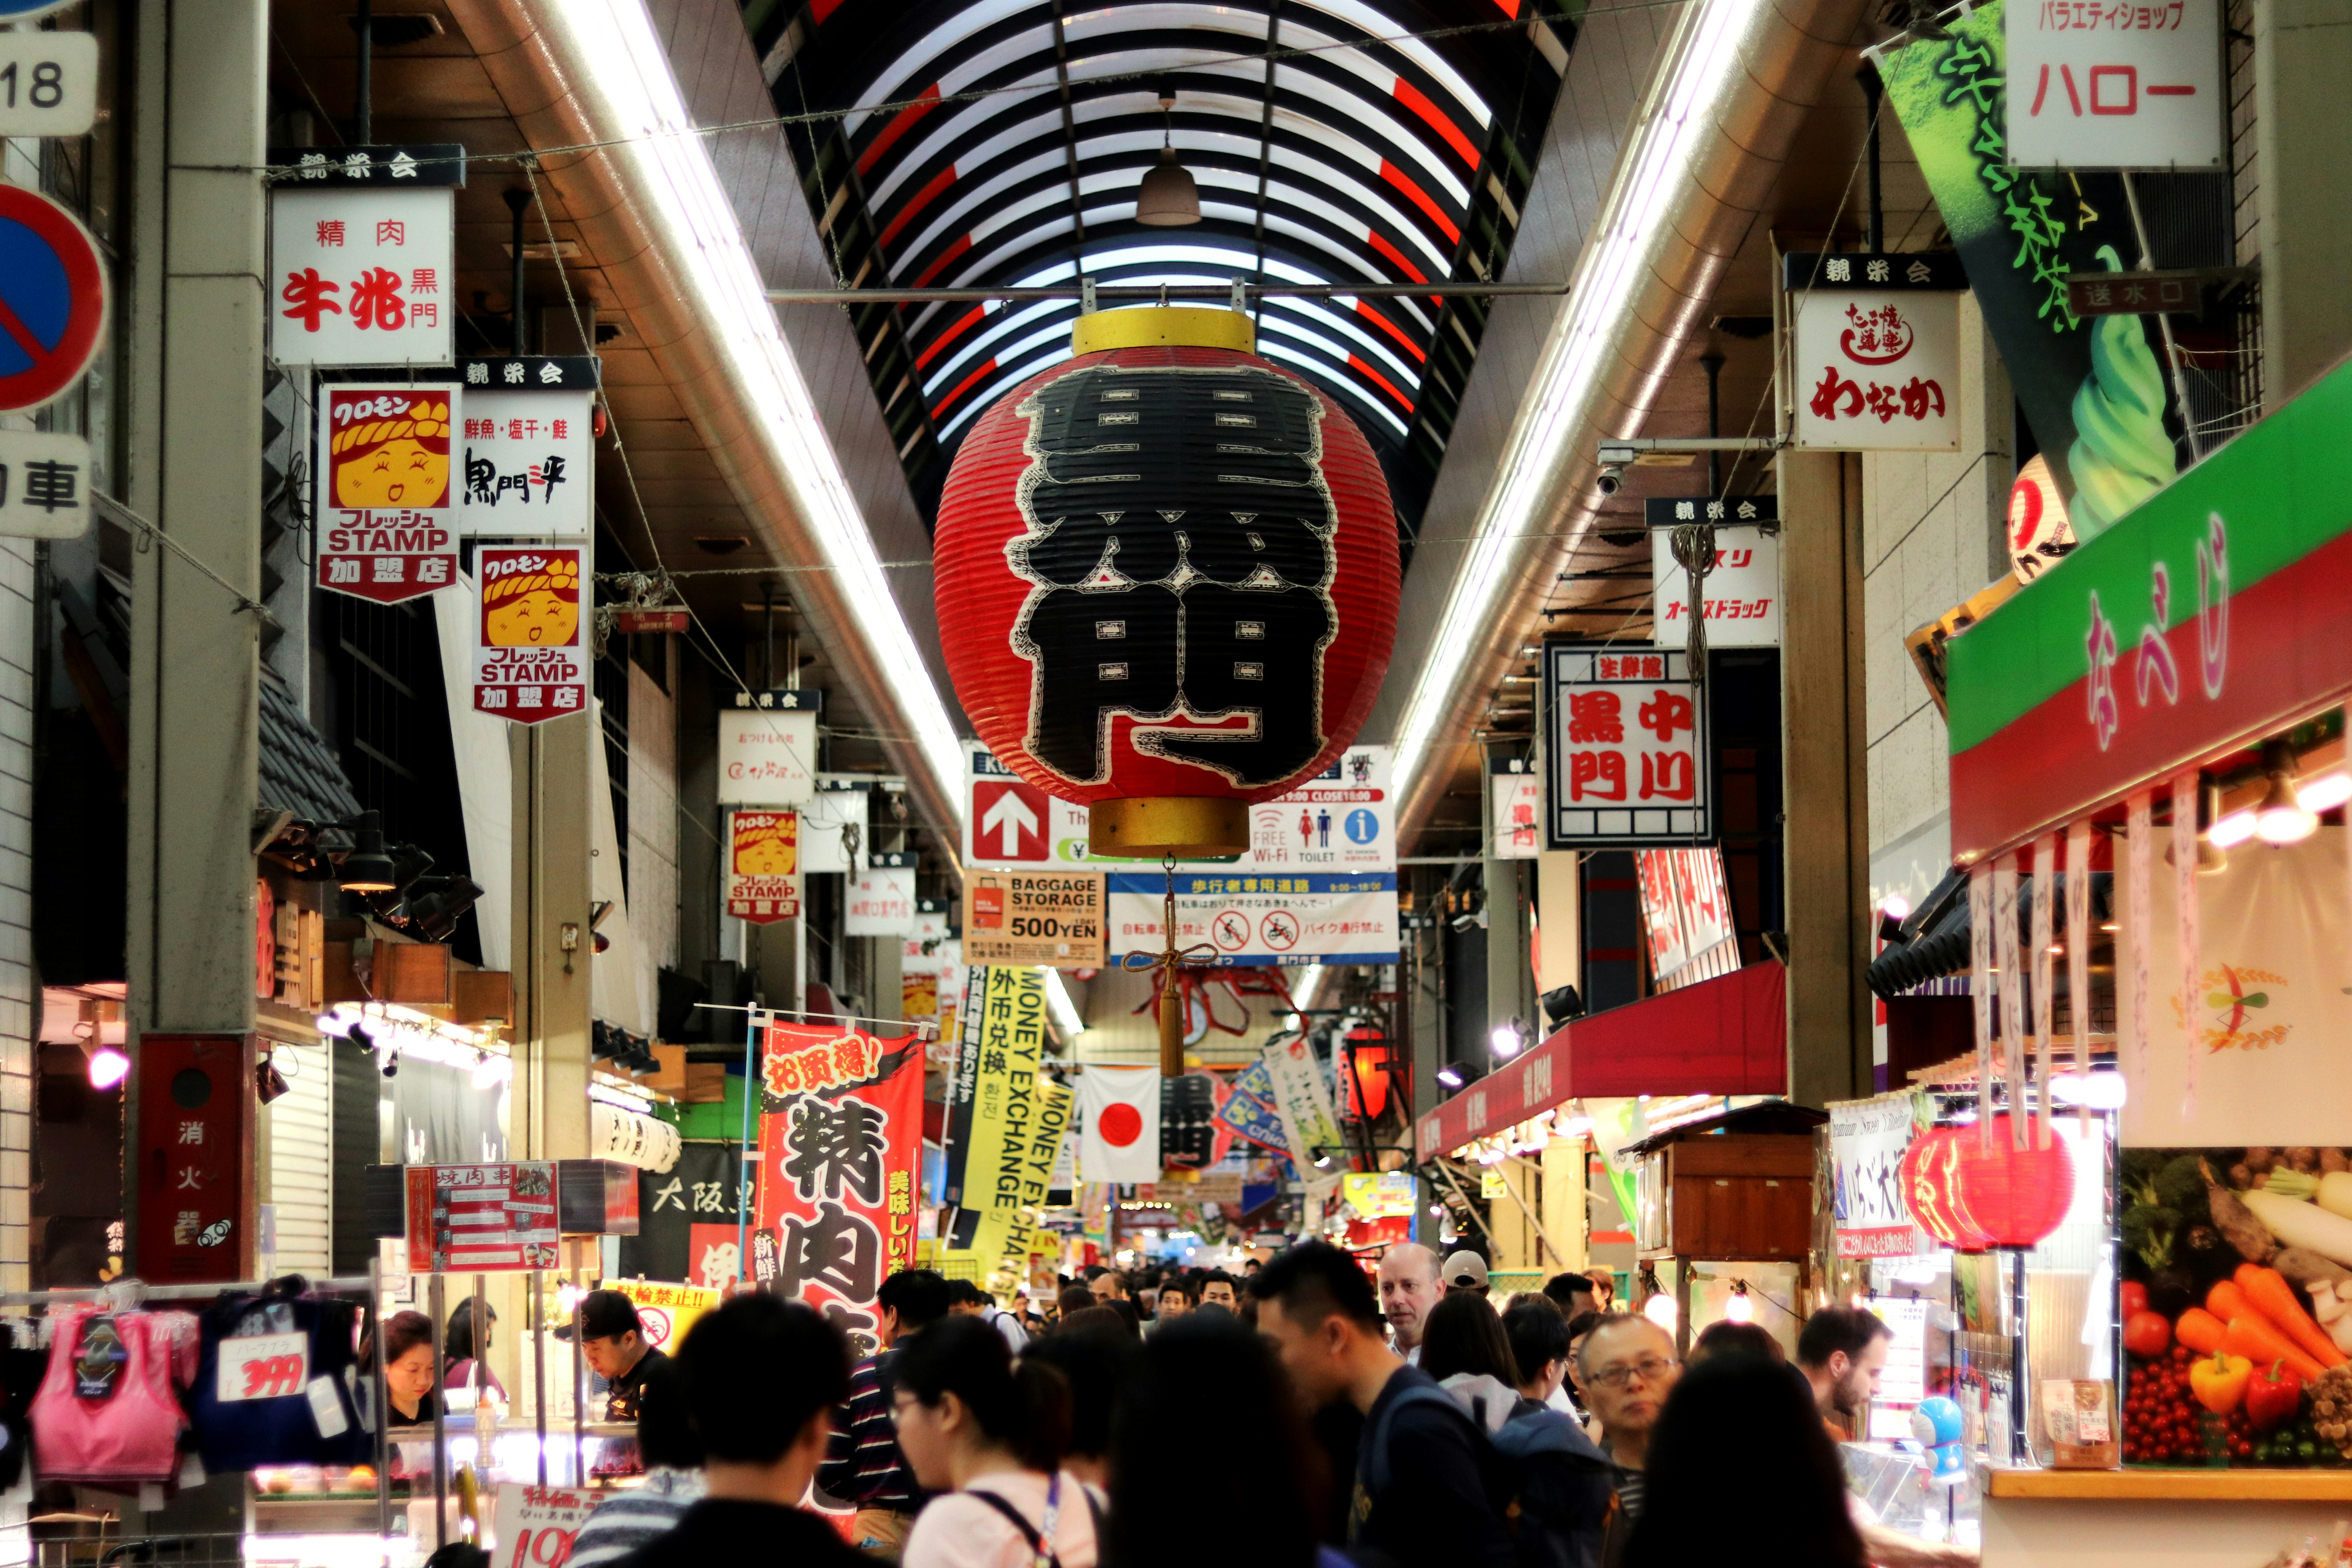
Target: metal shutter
[{"x": 302, "y": 1162}]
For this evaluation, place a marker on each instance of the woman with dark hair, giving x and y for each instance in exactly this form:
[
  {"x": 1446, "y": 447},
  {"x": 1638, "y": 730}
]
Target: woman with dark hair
[
  {"x": 1211, "y": 1459},
  {"x": 1463, "y": 1347},
  {"x": 463, "y": 1374},
  {"x": 1728, "y": 1338},
  {"x": 988, "y": 1434},
  {"x": 1096, "y": 1356},
  {"x": 1740, "y": 1438},
  {"x": 408, "y": 1377}
]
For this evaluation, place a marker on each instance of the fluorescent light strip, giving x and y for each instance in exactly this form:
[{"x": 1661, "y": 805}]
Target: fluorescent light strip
[
  {"x": 1065, "y": 1012},
  {"x": 628, "y": 67},
  {"x": 1651, "y": 178}
]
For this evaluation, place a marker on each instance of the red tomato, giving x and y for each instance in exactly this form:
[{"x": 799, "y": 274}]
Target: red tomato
[
  {"x": 2147, "y": 1335},
  {"x": 2135, "y": 1298}
]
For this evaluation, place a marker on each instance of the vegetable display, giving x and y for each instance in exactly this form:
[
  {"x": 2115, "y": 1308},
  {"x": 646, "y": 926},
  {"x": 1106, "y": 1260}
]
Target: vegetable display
[{"x": 2236, "y": 1305}]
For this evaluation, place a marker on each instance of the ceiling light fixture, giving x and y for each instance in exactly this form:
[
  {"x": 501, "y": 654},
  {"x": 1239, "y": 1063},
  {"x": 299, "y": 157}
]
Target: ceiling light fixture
[
  {"x": 621, "y": 75},
  {"x": 108, "y": 1068},
  {"x": 2283, "y": 818},
  {"x": 1167, "y": 198},
  {"x": 1705, "y": 53},
  {"x": 367, "y": 869},
  {"x": 1450, "y": 1076}
]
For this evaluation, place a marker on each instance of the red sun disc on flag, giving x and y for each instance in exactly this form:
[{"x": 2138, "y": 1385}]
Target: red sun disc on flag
[{"x": 1122, "y": 1124}]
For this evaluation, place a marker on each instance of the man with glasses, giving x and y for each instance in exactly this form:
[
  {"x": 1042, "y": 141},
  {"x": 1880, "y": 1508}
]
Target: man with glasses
[{"x": 1629, "y": 1368}]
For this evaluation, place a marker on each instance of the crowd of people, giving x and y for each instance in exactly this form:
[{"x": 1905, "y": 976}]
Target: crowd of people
[{"x": 1306, "y": 1414}]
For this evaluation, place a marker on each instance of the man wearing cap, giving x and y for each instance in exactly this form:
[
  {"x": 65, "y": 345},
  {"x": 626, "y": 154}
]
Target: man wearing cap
[
  {"x": 1465, "y": 1271},
  {"x": 612, "y": 1343}
]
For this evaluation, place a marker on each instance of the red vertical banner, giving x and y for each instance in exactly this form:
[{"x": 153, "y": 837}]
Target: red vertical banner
[{"x": 841, "y": 1132}]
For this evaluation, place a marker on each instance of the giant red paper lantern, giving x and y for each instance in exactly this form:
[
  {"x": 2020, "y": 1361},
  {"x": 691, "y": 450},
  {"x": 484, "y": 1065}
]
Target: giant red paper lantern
[
  {"x": 1167, "y": 579},
  {"x": 1930, "y": 1175},
  {"x": 2014, "y": 1196}
]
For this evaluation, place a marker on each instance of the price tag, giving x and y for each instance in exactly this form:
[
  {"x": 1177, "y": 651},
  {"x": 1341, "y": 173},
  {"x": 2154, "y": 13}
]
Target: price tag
[
  {"x": 49, "y": 83},
  {"x": 534, "y": 1525},
  {"x": 263, "y": 1366}
]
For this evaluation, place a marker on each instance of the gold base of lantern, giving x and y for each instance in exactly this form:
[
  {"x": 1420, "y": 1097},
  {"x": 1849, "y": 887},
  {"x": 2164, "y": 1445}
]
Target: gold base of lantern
[
  {"x": 1176, "y": 326},
  {"x": 1191, "y": 828}
]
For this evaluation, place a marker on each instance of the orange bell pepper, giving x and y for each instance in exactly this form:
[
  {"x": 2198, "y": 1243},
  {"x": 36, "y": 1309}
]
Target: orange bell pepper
[{"x": 2220, "y": 1380}]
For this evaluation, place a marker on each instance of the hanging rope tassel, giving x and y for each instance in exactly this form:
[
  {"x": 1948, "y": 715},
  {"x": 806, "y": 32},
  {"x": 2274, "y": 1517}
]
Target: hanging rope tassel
[
  {"x": 1694, "y": 548},
  {"x": 1172, "y": 995}
]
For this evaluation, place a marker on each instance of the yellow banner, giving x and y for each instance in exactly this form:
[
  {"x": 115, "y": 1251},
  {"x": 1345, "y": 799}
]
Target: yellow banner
[
  {"x": 1016, "y": 1124},
  {"x": 665, "y": 1311}
]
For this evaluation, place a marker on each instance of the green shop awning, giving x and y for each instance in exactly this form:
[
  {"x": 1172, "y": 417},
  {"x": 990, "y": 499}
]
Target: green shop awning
[{"x": 2218, "y": 612}]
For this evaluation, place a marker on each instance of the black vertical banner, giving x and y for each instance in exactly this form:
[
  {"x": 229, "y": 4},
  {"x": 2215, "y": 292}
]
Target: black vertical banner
[{"x": 687, "y": 1218}]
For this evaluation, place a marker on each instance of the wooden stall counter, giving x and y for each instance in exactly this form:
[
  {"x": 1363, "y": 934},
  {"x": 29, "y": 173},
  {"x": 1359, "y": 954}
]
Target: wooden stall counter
[{"x": 2067, "y": 1519}]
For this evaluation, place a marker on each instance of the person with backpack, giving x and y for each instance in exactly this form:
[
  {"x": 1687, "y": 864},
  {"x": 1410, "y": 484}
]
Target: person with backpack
[
  {"x": 1427, "y": 1490},
  {"x": 988, "y": 1435},
  {"x": 1565, "y": 1480}
]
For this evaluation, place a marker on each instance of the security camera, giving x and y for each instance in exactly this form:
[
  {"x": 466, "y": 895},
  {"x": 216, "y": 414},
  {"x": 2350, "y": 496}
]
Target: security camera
[{"x": 1611, "y": 480}]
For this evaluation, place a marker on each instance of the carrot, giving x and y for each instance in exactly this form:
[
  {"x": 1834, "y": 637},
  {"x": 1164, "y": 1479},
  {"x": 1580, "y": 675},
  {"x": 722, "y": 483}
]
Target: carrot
[
  {"x": 2200, "y": 1330},
  {"x": 2267, "y": 1288},
  {"x": 2253, "y": 1338},
  {"x": 2226, "y": 1302}
]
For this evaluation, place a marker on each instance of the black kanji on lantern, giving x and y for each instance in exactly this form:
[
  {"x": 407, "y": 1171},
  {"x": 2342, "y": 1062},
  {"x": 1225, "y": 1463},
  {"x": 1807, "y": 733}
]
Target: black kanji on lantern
[{"x": 1180, "y": 536}]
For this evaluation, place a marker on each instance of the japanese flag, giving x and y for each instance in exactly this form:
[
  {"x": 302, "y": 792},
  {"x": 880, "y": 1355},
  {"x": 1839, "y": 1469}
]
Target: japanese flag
[{"x": 1120, "y": 1114}]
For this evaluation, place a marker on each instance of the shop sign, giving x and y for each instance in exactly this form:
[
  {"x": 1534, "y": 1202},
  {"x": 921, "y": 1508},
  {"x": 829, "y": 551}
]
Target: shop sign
[
  {"x": 1236, "y": 917},
  {"x": 534, "y": 1525},
  {"x": 881, "y": 899},
  {"x": 1052, "y": 918},
  {"x": 833, "y": 822},
  {"x": 1344, "y": 818},
  {"x": 2116, "y": 84},
  {"x": 1514, "y": 786},
  {"x": 1877, "y": 354},
  {"x": 689, "y": 1223},
  {"x": 1249, "y": 1113},
  {"x": 764, "y": 884},
  {"x": 1300, "y": 1097},
  {"x": 923, "y": 952},
  {"x": 194, "y": 1157},
  {"x": 363, "y": 272},
  {"x": 482, "y": 1219},
  {"x": 1625, "y": 748},
  {"x": 530, "y": 646},
  {"x": 1740, "y": 595},
  {"x": 841, "y": 1136},
  {"x": 1686, "y": 910},
  {"x": 1006, "y": 1122},
  {"x": 527, "y": 454},
  {"x": 1868, "y": 1139},
  {"x": 2211, "y": 613},
  {"x": 1379, "y": 1195},
  {"x": 665, "y": 1311},
  {"x": 386, "y": 524},
  {"x": 44, "y": 479},
  {"x": 767, "y": 755}
]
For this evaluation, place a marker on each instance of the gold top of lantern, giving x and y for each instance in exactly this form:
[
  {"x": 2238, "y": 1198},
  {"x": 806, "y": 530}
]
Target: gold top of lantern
[
  {"x": 1176, "y": 326},
  {"x": 1191, "y": 828}
]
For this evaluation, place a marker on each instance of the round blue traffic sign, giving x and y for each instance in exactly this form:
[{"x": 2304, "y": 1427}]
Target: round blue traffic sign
[
  {"x": 1362, "y": 825},
  {"x": 52, "y": 297},
  {"x": 25, "y": 10}
]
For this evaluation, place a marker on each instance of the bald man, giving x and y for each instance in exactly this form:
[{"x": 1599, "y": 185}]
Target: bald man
[{"x": 1409, "y": 1288}]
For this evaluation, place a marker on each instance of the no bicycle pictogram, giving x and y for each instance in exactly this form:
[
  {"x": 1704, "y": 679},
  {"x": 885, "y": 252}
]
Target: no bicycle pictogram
[
  {"x": 52, "y": 299},
  {"x": 1230, "y": 930},
  {"x": 1279, "y": 928}
]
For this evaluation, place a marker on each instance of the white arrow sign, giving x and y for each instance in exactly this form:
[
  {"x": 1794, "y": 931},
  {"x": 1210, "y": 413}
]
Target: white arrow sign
[{"x": 1010, "y": 818}]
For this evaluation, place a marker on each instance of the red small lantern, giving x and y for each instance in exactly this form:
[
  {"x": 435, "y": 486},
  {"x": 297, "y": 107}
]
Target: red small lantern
[
  {"x": 1931, "y": 1190},
  {"x": 1368, "y": 1061},
  {"x": 1167, "y": 579},
  {"x": 2014, "y": 1196}
]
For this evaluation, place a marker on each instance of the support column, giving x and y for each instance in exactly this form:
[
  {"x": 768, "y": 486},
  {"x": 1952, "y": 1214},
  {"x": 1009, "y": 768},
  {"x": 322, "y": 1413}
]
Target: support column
[
  {"x": 1560, "y": 924},
  {"x": 553, "y": 774},
  {"x": 885, "y": 977},
  {"x": 1824, "y": 760},
  {"x": 195, "y": 320},
  {"x": 2303, "y": 56}
]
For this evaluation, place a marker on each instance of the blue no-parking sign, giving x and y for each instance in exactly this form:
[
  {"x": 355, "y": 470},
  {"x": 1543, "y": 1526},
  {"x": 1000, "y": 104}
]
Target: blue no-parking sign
[{"x": 52, "y": 297}]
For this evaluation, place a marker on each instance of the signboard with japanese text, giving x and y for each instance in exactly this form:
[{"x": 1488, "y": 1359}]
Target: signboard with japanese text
[
  {"x": 1006, "y": 1122},
  {"x": 1301, "y": 1097},
  {"x": 687, "y": 1218},
  {"x": 1741, "y": 597},
  {"x": 767, "y": 756},
  {"x": 665, "y": 1311},
  {"x": 833, "y": 822},
  {"x": 841, "y": 1137},
  {"x": 1379, "y": 1195},
  {"x": 1253, "y": 921},
  {"x": 44, "y": 484},
  {"x": 1686, "y": 913},
  {"x": 1625, "y": 748},
  {"x": 363, "y": 274},
  {"x": 1253, "y": 1118},
  {"x": 386, "y": 521},
  {"x": 1052, "y": 918},
  {"x": 481, "y": 1219},
  {"x": 1514, "y": 786},
  {"x": 530, "y": 641},
  {"x": 528, "y": 455},
  {"x": 2116, "y": 84},
  {"x": 534, "y": 1525},
  {"x": 881, "y": 899},
  {"x": 1344, "y": 818},
  {"x": 1877, "y": 362},
  {"x": 1868, "y": 1139},
  {"x": 764, "y": 884}
]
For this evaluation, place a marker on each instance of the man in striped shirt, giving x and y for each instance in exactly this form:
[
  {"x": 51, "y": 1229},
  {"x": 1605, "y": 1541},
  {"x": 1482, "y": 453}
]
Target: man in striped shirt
[
  {"x": 673, "y": 1455},
  {"x": 862, "y": 1465}
]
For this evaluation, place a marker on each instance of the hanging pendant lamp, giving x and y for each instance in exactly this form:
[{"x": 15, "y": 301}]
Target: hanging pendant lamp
[{"x": 1167, "y": 198}]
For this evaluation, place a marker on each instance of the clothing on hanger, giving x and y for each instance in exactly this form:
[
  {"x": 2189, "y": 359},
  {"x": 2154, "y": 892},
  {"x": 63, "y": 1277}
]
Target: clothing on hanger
[
  {"x": 107, "y": 1413},
  {"x": 272, "y": 1383}
]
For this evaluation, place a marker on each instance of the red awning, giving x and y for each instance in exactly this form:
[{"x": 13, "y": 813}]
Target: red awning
[{"x": 1725, "y": 1036}]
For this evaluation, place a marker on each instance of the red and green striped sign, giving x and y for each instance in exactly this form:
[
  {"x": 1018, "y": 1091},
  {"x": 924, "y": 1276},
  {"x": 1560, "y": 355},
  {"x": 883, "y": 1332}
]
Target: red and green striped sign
[{"x": 2217, "y": 612}]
